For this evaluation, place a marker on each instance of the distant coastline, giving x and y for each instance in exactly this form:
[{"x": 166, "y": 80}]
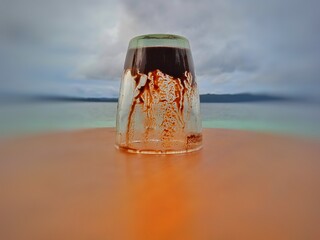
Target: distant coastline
[
  {"x": 204, "y": 98},
  {"x": 241, "y": 97}
]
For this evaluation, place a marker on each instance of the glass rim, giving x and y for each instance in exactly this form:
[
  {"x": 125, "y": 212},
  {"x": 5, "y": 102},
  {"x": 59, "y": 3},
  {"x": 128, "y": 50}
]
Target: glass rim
[{"x": 159, "y": 40}]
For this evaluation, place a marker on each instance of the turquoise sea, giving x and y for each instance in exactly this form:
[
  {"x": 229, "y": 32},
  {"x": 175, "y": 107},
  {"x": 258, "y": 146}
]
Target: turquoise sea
[{"x": 282, "y": 117}]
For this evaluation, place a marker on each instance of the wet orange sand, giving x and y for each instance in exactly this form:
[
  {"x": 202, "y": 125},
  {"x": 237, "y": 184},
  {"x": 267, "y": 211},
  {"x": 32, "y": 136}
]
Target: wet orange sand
[{"x": 241, "y": 185}]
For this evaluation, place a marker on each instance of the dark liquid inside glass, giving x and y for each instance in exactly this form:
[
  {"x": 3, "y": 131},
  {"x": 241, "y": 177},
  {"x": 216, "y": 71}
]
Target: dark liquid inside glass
[{"x": 172, "y": 61}]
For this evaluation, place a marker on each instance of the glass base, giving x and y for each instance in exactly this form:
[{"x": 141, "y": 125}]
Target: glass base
[{"x": 139, "y": 147}]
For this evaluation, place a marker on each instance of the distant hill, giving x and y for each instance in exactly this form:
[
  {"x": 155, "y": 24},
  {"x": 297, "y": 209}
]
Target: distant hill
[
  {"x": 74, "y": 99},
  {"x": 240, "y": 97},
  {"x": 52, "y": 98},
  {"x": 206, "y": 98}
]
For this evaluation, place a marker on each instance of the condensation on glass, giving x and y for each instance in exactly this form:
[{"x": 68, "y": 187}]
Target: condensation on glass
[{"x": 158, "y": 108}]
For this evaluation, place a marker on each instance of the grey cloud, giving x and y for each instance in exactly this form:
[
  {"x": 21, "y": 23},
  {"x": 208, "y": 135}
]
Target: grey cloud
[
  {"x": 180, "y": 17},
  {"x": 277, "y": 39},
  {"x": 237, "y": 46},
  {"x": 232, "y": 57},
  {"x": 44, "y": 40}
]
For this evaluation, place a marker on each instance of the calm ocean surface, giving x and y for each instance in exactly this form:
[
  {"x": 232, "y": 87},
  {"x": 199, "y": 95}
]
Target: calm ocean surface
[{"x": 290, "y": 118}]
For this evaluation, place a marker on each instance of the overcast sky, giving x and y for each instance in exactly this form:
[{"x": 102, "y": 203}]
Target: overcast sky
[{"x": 78, "y": 48}]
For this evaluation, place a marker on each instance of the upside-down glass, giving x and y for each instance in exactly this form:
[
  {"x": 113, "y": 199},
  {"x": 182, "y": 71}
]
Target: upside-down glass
[{"x": 158, "y": 108}]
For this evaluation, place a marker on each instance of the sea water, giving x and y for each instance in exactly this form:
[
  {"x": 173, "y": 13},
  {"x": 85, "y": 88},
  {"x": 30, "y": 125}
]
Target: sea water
[{"x": 281, "y": 117}]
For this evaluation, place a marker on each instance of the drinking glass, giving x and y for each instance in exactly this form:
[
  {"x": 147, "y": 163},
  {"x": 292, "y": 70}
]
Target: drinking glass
[{"x": 158, "y": 108}]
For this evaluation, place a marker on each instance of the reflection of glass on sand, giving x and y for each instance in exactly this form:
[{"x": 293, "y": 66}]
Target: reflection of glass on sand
[{"x": 160, "y": 205}]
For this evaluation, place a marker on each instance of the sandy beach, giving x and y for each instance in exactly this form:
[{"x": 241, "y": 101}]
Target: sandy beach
[{"x": 241, "y": 185}]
